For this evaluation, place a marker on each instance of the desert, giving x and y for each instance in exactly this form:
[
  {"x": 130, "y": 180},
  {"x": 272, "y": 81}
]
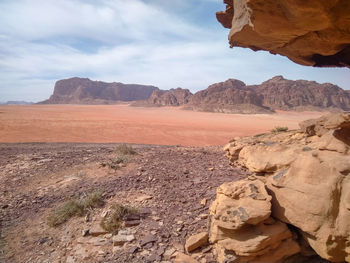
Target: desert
[
  {"x": 122, "y": 123},
  {"x": 130, "y": 132}
]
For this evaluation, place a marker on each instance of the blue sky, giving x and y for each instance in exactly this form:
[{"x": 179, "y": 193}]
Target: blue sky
[{"x": 168, "y": 44}]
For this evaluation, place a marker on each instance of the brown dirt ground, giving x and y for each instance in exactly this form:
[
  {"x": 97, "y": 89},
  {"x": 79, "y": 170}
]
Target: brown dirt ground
[
  {"x": 34, "y": 178},
  {"x": 121, "y": 123}
]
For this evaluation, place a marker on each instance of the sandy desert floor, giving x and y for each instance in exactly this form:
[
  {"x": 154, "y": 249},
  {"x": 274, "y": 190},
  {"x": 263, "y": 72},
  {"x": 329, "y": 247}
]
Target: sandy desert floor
[{"x": 122, "y": 123}]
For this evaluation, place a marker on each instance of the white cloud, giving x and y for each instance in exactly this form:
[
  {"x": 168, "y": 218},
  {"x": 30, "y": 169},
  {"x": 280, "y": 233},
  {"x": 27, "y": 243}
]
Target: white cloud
[{"x": 133, "y": 41}]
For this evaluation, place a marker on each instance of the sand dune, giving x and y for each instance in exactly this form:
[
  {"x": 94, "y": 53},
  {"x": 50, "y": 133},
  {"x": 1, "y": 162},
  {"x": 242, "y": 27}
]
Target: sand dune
[{"x": 121, "y": 123}]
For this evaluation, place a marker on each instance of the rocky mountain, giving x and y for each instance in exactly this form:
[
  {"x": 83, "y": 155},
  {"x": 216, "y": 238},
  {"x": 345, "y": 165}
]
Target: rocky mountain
[
  {"x": 172, "y": 97},
  {"x": 231, "y": 96},
  {"x": 284, "y": 94},
  {"x": 16, "y": 102},
  {"x": 86, "y": 91}
]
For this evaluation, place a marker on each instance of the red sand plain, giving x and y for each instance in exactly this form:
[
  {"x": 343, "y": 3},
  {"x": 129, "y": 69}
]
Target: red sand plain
[{"x": 122, "y": 123}]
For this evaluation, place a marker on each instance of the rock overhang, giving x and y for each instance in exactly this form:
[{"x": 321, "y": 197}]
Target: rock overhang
[{"x": 311, "y": 33}]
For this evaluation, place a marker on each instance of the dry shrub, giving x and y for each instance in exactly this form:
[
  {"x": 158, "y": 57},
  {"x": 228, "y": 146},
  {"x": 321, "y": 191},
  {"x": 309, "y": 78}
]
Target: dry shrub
[
  {"x": 279, "y": 129},
  {"x": 124, "y": 149},
  {"x": 114, "y": 219},
  {"x": 74, "y": 207}
]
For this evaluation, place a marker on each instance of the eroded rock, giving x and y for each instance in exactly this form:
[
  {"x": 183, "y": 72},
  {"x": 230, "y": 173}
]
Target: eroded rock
[
  {"x": 312, "y": 33},
  {"x": 241, "y": 227},
  {"x": 307, "y": 175},
  {"x": 196, "y": 241}
]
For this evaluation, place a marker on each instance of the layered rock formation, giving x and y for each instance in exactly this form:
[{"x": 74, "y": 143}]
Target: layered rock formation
[
  {"x": 172, "y": 97},
  {"x": 85, "y": 91},
  {"x": 284, "y": 94},
  {"x": 233, "y": 96},
  {"x": 306, "y": 174},
  {"x": 313, "y": 33}
]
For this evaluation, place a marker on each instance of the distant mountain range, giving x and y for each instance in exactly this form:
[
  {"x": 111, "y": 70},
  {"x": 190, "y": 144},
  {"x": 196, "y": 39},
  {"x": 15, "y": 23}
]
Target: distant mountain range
[
  {"x": 230, "y": 96},
  {"x": 10, "y": 102}
]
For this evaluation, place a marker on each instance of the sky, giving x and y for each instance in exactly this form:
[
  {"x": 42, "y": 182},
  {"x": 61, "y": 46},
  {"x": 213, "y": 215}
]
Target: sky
[{"x": 168, "y": 44}]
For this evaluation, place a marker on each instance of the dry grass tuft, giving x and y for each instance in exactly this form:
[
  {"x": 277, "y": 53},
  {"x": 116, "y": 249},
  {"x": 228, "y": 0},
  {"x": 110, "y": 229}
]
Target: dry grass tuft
[
  {"x": 279, "y": 129},
  {"x": 124, "y": 149},
  {"x": 74, "y": 207},
  {"x": 114, "y": 220}
]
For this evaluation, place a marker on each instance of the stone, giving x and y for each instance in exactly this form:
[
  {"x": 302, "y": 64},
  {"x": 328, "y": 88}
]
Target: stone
[
  {"x": 204, "y": 202},
  {"x": 196, "y": 241},
  {"x": 238, "y": 204},
  {"x": 120, "y": 239},
  {"x": 143, "y": 197},
  {"x": 131, "y": 223},
  {"x": 97, "y": 230},
  {"x": 85, "y": 232},
  {"x": 183, "y": 258},
  {"x": 169, "y": 252},
  {"x": 148, "y": 239},
  {"x": 311, "y": 33}
]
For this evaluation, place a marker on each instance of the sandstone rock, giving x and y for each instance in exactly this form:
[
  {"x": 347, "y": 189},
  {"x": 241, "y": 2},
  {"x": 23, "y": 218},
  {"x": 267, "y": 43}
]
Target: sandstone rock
[
  {"x": 172, "y": 97},
  {"x": 230, "y": 96},
  {"x": 85, "y": 91},
  {"x": 183, "y": 258},
  {"x": 241, "y": 227},
  {"x": 312, "y": 33},
  {"x": 238, "y": 204},
  {"x": 169, "y": 252},
  {"x": 311, "y": 189},
  {"x": 196, "y": 241},
  {"x": 233, "y": 96}
]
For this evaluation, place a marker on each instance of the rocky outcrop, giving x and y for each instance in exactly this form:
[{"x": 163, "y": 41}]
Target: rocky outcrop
[
  {"x": 241, "y": 227},
  {"x": 283, "y": 94},
  {"x": 172, "y": 97},
  {"x": 86, "y": 91},
  {"x": 306, "y": 174},
  {"x": 278, "y": 93},
  {"x": 231, "y": 96},
  {"x": 312, "y": 33}
]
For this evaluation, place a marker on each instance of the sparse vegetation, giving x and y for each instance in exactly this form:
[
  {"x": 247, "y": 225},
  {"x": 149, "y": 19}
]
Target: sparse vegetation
[
  {"x": 114, "y": 219},
  {"x": 124, "y": 149},
  {"x": 75, "y": 207},
  {"x": 124, "y": 156},
  {"x": 279, "y": 129}
]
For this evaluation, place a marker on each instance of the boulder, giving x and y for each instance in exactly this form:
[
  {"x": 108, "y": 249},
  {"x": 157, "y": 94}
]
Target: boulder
[
  {"x": 312, "y": 33},
  {"x": 239, "y": 204},
  {"x": 241, "y": 227},
  {"x": 307, "y": 176}
]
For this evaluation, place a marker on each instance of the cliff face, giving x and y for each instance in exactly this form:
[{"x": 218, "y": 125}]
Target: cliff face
[
  {"x": 312, "y": 33},
  {"x": 173, "y": 97},
  {"x": 284, "y": 94},
  {"x": 85, "y": 91},
  {"x": 231, "y": 96}
]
